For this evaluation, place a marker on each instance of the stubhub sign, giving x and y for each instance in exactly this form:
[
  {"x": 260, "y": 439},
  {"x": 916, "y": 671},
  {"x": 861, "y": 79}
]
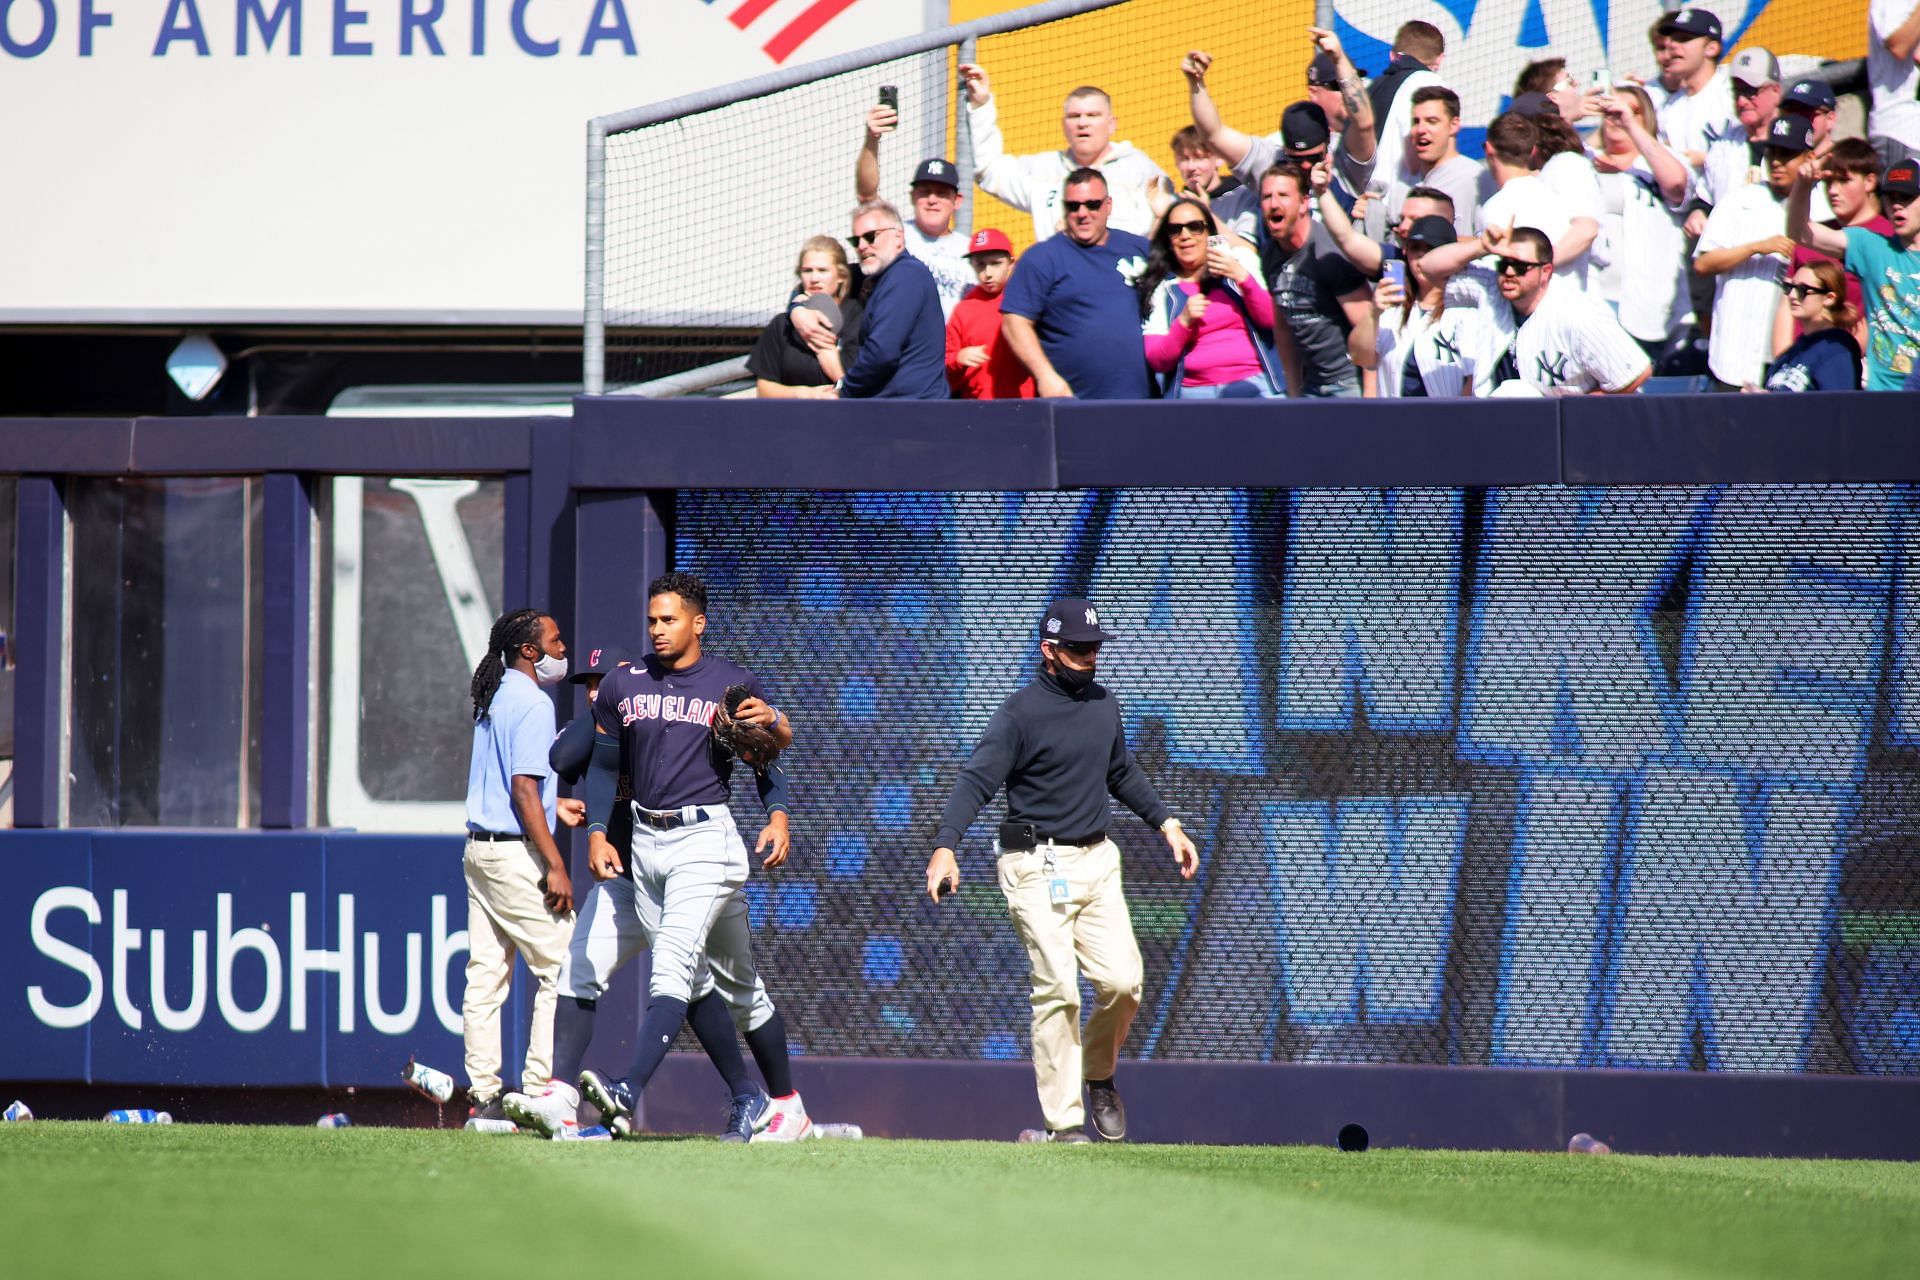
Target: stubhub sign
[{"x": 232, "y": 958}]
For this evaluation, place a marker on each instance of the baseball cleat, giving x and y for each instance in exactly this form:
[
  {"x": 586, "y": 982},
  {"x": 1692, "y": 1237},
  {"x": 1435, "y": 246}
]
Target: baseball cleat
[
  {"x": 485, "y": 1108},
  {"x": 614, "y": 1098},
  {"x": 749, "y": 1114},
  {"x": 1109, "y": 1113},
  {"x": 548, "y": 1112},
  {"x": 787, "y": 1122}
]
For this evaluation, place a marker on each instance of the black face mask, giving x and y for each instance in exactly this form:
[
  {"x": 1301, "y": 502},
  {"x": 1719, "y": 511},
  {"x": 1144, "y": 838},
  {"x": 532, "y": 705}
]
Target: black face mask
[{"x": 1072, "y": 680}]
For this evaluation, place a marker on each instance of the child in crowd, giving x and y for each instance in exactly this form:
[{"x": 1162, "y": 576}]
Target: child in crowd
[{"x": 980, "y": 366}]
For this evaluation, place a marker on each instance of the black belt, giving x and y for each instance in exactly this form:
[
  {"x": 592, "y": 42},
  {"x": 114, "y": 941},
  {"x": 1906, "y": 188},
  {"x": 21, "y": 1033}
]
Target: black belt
[
  {"x": 1084, "y": 842},
  {"x": 668, "y": 820},
  {"x": 495, "y": 835}
]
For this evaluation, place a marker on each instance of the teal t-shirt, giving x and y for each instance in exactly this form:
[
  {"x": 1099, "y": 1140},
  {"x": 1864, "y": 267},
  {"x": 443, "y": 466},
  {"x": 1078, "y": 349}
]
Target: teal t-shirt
[{"x": 1890, "y": 287}]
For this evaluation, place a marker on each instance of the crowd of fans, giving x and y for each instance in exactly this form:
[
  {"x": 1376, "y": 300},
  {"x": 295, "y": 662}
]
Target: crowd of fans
[{"x": 1707, "y": 220}]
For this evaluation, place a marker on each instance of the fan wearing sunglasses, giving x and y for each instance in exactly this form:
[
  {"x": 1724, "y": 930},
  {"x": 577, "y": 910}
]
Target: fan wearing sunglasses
[
  {"x": 1825, "y": 357},
  {"x": 903, "y": 345},
  {"x": 1569, "y": 342},
  {"x": 1070, "y": 312},
  {"x": 1204, "y": 313}
]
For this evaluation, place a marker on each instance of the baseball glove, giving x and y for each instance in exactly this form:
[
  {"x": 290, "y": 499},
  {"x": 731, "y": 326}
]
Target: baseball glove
[{"x": 750, "y": 742}]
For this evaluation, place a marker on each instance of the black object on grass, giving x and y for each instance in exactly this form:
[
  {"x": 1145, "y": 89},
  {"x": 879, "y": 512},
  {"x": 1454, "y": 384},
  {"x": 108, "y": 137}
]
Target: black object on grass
[{"x": 1353, "y": 1137}]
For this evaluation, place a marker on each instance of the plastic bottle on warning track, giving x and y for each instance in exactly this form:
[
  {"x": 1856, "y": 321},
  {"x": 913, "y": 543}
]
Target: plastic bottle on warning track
[
  {"x": 19, "y": 1111},
  {"x": 337, "y": 1120},
  {"x": 838, "y": 1132},
  {"x": 138, "y": 1115},
  {"x": 437, "y": 1085}
]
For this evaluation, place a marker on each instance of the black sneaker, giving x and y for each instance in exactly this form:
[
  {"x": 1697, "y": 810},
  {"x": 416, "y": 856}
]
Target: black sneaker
[
  {"x": 1109, "y": 1113},
  {"x": 485, "y": 1108}
]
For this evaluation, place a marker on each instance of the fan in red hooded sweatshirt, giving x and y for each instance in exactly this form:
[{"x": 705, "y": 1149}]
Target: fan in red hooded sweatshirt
[{"x": 980, "y": 365}]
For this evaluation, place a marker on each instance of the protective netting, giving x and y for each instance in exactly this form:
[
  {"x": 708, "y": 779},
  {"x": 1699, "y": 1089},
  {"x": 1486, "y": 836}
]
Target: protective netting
[
  {"x": 775, "y": 170},
  {"x": 1543, "y": 776}
]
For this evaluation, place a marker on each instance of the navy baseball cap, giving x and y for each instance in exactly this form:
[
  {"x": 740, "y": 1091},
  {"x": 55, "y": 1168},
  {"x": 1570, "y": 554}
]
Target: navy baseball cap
[
  {"x": 1323, "y": 72},
  {"x": 1303, "y": 127},
  {"x": 594, "y": 662},
  {"x": 1790, "y": 133},
  {"x": 1692, "y": 23},
  {"x": 1814, "y": 95},
  {"x": 1072, "y": 621},
  {"x": 940, "y": 171},
  {"x": 1901, "y": 179},
  {"x": 1533, "y": 106},
  {"x": 1432, "y": 231}
]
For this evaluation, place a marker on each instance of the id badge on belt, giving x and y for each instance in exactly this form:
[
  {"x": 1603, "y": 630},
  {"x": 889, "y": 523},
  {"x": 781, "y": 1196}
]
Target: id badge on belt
[{"x": 1057, "y": 891}]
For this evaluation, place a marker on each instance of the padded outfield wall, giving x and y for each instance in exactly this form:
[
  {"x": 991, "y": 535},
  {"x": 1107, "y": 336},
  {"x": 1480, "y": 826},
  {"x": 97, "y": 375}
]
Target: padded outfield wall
[{"x": 1617, "y": 778}]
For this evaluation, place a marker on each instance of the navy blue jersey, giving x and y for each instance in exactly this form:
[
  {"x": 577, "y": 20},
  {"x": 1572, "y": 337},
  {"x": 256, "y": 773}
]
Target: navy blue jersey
[{"x": 661, "y": 720}]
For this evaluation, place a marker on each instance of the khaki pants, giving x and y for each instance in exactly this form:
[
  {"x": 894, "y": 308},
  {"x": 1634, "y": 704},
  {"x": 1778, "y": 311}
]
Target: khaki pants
[
  {"x": 1092, "y": 931},
  {"x": 507, "y": 915}
]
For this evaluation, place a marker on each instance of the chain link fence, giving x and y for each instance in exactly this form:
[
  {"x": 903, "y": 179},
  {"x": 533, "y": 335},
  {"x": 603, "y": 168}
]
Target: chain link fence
[{"x": 1594, "y": 778}]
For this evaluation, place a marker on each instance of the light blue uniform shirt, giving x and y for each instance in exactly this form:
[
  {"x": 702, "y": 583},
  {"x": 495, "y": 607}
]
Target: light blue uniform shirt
[{"x": 512, "y": 739}]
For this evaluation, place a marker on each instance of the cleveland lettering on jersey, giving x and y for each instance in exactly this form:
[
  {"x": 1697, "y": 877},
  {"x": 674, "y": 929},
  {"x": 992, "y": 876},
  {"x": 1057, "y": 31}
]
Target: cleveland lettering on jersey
[{"x": 655, "y": 706}]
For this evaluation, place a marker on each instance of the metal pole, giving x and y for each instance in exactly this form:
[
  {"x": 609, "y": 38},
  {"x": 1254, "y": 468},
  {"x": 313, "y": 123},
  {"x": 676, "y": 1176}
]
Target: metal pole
[
  {"x": 593, "y": 336},
  {"x": 963, "y": 142}
]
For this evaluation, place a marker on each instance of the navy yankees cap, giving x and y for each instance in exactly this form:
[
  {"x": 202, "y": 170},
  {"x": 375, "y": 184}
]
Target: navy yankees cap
[
  {"x": 1691, "y": 23},
  {"x": 594, "y": 662},
  {"x": 1303, "y": 127},
  {"x": 1072, "y": 622},
  {"x": 1790, "y": 133},
  {"x": 1324, "y": 72},
  {"x": 1814, "y": 95},
  {"x": 941, "y": 171},
  {"x": 1534, "y": 105}
]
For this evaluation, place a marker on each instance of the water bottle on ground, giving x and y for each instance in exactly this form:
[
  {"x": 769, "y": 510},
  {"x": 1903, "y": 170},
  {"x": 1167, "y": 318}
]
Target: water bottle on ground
[
  {"x": 337, "y": 1120},
  {"x": 478, "y": 1125},
  {"x": 1585, "y": 1144},
  {"x": 840, "y": 1132},
  {"x": 437, "y": 1085},
  {"x": 138, "y": 1115},
  {"x": 19, "y": 1111}
]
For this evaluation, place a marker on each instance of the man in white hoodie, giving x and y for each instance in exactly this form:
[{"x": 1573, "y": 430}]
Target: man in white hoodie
[{"x": 1033, "y": 183}]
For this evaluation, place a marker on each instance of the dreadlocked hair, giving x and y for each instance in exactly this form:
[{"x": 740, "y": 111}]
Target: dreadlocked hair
[{"x": 510, "y": 631}]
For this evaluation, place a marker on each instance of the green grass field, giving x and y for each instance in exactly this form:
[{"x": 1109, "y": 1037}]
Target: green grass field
[{"x": 385, "y": 1204}]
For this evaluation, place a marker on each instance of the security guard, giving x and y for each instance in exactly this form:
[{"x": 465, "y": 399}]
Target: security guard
[
  {"x": 519, "y": 896},
  {"x": 1058, "y": 747}
]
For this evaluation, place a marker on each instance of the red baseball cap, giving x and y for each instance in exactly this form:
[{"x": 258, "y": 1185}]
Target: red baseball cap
[{"x": 989, "y": 240}]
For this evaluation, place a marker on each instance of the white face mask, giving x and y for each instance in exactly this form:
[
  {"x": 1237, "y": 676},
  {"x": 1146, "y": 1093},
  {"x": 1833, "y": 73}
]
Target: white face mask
[{"x": 550, "y": 670}]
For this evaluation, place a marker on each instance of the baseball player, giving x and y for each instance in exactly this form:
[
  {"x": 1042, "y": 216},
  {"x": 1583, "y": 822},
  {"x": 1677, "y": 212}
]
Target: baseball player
[
  {"x": 687, "y": 861},
  {"x": 614, "y": 925},
  {"x": 1058, "y": 747},
  {"x": 519, "y": 898}
]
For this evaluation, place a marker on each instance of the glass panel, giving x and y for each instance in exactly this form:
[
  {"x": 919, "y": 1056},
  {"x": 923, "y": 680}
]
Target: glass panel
[
  {"x": 167, "y": 647},
  {"x": 411, "y": 589}
]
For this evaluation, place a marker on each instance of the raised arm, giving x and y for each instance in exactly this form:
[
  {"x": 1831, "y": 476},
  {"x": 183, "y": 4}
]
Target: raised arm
[
  {"x": 1360, "y": 249},
  {"x": 1358, "y": 137},
  {"x": 1801, "y": 228},
  {"x": 996, "y": 173},
  {"x": 866, "y": 169},
  {"x": 1668, "y": 169},
  {"x": 1230, "y": 144}
]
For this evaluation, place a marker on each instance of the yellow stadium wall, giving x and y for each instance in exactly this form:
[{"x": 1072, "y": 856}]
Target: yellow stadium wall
[{"x": 1261, "y": 49}]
